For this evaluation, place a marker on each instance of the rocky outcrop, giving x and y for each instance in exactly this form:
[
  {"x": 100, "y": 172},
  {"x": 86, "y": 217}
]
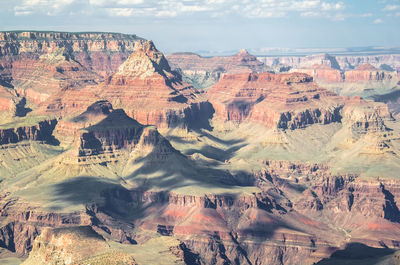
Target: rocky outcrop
[
  {"x": 37, "y": 65},
  {"x": 74, "y": 245},
  {"x": 40, "y": 131},
  {"x": 203, "y": 72},
  {"x": 146, "y": 88},
  {"x": 285, "y": 101},
  {"x": 38, "y": 78},
  {"x": 115, "y": 132},
  {"x": 99, "y": 52},
  {"x": 322, "y": 73},
  {"x": 342, "y": 62},
  {"x": 368, "y": 73}
]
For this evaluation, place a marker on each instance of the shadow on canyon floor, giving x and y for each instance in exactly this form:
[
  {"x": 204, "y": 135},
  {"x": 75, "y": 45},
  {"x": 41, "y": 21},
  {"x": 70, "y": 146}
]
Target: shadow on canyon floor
[{"x": 358, "y": 253}]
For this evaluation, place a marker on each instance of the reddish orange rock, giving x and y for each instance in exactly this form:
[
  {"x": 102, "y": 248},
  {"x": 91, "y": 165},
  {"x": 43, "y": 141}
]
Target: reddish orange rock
[
  {"x": 275, "y": 100},
  {"x": 367, "y": 73},
  {"x": 323, "y": 73}
]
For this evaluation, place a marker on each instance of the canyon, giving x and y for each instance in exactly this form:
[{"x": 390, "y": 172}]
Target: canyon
[{"x": 112, "y": 153}]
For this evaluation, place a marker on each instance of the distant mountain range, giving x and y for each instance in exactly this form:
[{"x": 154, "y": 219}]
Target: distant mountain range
[{"x": 279, "y": 51}]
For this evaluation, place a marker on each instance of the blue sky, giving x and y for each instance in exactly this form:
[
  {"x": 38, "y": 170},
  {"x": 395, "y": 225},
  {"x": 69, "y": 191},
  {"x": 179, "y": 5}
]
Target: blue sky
[{"x": 218, "y": 25}]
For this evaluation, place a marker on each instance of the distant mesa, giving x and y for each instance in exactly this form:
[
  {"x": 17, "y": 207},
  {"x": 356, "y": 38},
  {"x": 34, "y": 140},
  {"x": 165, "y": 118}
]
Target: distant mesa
[{"x": 203, "y": 72}]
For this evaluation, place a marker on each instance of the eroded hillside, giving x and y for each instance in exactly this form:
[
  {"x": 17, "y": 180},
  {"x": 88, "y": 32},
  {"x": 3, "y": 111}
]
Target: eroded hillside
[{"x": 123, "y": 162}]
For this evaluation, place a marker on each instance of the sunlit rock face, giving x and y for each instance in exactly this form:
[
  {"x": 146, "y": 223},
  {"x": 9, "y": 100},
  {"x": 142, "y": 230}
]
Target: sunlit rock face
[{"x": 108, "y": 156}]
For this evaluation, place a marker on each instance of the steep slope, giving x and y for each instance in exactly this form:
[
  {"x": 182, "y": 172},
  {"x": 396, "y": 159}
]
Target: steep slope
[
  {"x": 278, "y": 101},
  {"x": 37, "y": 65},
  {"x": 146, "y": 88},
  {"x": 284, "y": 171}
]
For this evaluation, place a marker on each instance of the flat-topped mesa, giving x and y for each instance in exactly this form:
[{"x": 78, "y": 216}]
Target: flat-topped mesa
[
  {"x": 285, "y": 101},
  {"x": 368, "y": 73},
  {"x": 19, "y": 42}
]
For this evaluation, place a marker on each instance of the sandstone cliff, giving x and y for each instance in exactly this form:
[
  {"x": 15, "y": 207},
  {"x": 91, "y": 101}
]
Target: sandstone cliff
[{"x": 285, "y": 101}]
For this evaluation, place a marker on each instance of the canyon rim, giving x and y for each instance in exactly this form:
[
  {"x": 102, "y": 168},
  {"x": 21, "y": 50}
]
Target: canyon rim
[{"x": 114, "y": 152}]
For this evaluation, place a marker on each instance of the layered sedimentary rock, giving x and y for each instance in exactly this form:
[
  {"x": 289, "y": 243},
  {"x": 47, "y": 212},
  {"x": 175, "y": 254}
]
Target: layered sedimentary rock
[
  {"x": 290, "y": 173},
  {"x": 39, "y": 131},
  {"x": 285, "y": 101},
  {"x": 322, "y": 73},
  {"x": 203, "y": 72},
  {"x": 75, "y": 245},
  {"x": 150, "y": 92},
  {"x": 345, "y": 62},
  {"x": 368, "y": 73},
  {"x": 38, "y": 78},
  {"x": 37, "y": 65},
  {"x": 99, "y": 52},
  {"x": 145, "y": 87},
  {"x": 364, "y": 73}
]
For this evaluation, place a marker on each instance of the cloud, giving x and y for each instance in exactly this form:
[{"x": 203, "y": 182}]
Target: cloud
[
  {"x": 378, "y": 21},
  {"x": 49, "y": 7},
  {"x": 391, "y": 7},
  {"x": 332, "y": 6},
  {"x": 174, "y": 8}
]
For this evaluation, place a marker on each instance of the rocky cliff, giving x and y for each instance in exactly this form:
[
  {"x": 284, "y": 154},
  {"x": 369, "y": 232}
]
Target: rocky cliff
[
  {"x": 99, "y": 52},
  {"x": 285, "y": 101},
  {"x": 37, "y": 65},
  {"x": 343, "y": 62},
  {"x": 203, "y": 72},
  {"x": 139, "y": 167},
  {"x": 39, "y": 131},
  {"x": 147, "y": 89},
  {"x": 368, "y": 73}
]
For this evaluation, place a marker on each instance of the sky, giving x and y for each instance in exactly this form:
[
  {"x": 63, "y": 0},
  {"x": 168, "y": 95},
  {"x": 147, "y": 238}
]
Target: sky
[{"x": 218, "y": 25}]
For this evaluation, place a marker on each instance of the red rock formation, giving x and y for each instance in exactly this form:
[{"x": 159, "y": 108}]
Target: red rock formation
[
  {"x": 38, "y": 78},
  {"x": 38, "y": 65},
  {"x": 147, "y": 89},
  {"x": 322, "y": 73},
  {"x": 242, "y": 62},
  {"x": 277, "y": 101},
  {"x": 102, "y": 53},
  {"x": 203, "y": 71},
  {"x": 368, "y": 73}
]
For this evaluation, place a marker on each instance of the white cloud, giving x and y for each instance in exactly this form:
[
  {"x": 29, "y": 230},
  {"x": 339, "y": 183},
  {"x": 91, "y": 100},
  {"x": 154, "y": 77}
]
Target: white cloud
[
  {"x": 115, "y": 3},
  {"x": 174, "y": 8},
  {"x": 391, "y": 7},
  {"x": 49, "y": 7},
  {"x": 332, "y": 6},
  {"x": 121, "y": 12},
  {"x": 378, "y": 21}
]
